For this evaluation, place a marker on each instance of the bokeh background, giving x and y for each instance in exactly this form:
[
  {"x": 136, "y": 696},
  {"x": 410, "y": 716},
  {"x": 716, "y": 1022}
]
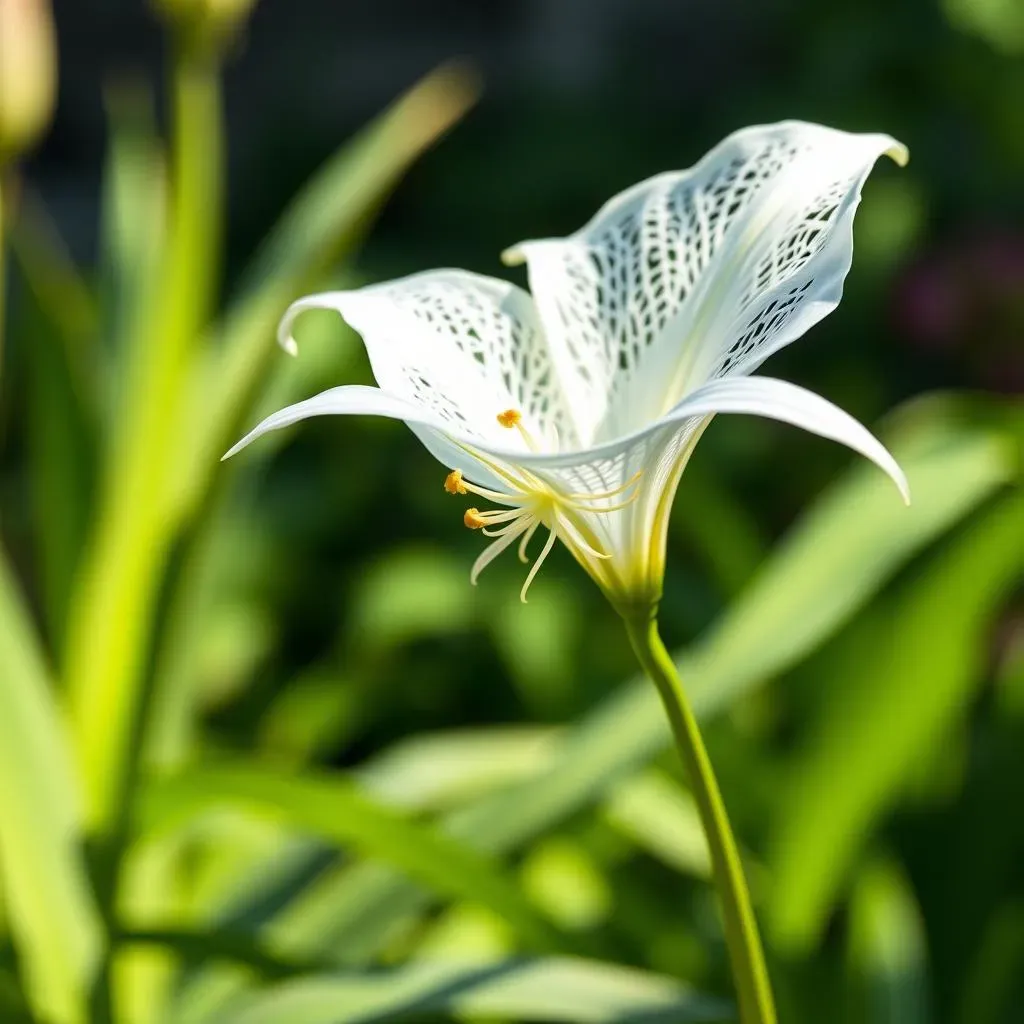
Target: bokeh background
[{"x": 258, "y": 726}]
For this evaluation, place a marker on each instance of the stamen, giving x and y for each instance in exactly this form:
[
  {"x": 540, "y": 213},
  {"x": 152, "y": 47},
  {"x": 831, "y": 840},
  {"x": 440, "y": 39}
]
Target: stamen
[
  {"x": 453, "y": 482},
  {"x": 531, "y": 502},
  {"x": 491, "y": 552},
  {"x": 514, "y": 418},
  {"x": 510, "y": 418},
  {"x": 545, "y": 551},
  {"x": 576, "y": 537},
  {"x": 527, "y": 537}
]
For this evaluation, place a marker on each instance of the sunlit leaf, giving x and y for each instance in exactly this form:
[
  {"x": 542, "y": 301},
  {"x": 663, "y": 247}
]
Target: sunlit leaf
[
  {"x": 336, "y": 809},
  {"x": 578, "y": 991},
  {"x": 440, "y": 769},
  {"x": 903, "y": 695},
  {"x": 888, "y": 957},
  {"x": 661, "y": 817},
  {"x": 48, "y": 902}
]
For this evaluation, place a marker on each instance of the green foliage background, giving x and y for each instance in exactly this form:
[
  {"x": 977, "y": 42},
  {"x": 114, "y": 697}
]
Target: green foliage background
[{"x": 266, "y": 756}]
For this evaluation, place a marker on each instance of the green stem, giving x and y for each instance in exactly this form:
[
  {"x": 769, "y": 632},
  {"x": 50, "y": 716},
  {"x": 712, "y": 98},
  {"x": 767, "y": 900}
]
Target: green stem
[{"x": 745, "y": 953}]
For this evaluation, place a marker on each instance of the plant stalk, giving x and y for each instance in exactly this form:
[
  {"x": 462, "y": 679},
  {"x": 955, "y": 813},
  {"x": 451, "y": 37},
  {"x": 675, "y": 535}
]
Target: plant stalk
[{"x": 750, "y": 975}]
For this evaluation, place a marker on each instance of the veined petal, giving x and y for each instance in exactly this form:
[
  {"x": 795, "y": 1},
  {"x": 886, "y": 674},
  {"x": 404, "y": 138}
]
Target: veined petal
[
  {"x": 758, "y": 396},
  {"x": 360, "y": 400},
  {"x": 702, "y": 273},
  {"x": 788, "y": 403},
  {"x": 461, "y": 346}
]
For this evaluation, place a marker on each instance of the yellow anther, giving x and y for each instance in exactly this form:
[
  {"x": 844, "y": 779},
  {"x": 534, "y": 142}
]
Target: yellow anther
[
  {"x": 510, "y": 418},
  {"x": 453, "y": 482},
  {"x": 473, "y": 519}
]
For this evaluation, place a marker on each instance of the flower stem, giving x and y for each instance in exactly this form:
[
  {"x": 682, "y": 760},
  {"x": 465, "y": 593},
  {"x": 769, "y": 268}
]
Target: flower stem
[{"x": 750, "y": 975}]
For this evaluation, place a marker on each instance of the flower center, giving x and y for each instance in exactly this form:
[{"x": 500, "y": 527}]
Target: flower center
[{"x": 530, "y": 503}]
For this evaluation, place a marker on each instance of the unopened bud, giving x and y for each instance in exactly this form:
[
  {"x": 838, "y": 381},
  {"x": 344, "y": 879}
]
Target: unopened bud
[
  {"x": 207, "y": 20},
  {"x": 28, "y": 74}
]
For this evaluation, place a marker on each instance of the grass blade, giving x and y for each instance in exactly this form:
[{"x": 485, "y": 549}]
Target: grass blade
[
  {"x": 337, "y": 809},
  {"x": 888, "y": 955},
  {"x": 903, "y": 695},
  {"x": 560, "y": 989},
  {"x": 49, "y": 905}
]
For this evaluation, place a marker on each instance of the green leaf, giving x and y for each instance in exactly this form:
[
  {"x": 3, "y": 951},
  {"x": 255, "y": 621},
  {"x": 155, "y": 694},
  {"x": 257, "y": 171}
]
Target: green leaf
[
  {"x": 900, "y": 700},
  {"x": 338, "y": 810},
  {"x": 558, "y": 989},
  {"x": 888, "y": 955},
  {"x": 660, "y": 816},
  {"x": 442, "y": 769},
  {"x": 48, "y": 903},
  {"x": 843, "y": 550}
]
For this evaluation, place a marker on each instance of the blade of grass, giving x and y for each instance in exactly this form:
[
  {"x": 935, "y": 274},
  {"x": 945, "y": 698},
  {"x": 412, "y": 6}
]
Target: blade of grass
[
  {"x": 887, "y": 955},
  {"x": 555, "y": 989},
  {"x": 903, "y": 697},
  {"x": 48, "y": 902},
  {"x": 112, "y": 612},
  {"x": 338, "y": 809},
  {"x": 132, "y": 234}
]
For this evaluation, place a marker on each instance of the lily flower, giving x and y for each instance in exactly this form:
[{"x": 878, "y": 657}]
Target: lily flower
[{"x": 576, "y": 409}]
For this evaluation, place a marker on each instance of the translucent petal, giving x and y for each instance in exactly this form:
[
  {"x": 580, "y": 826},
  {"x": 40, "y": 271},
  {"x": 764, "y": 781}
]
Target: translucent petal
[
  {"x": 460, "y": 346},
  {"x": 759, "y": 396},
  {"x": 702, "y": 273},
  {"x": 359, "y": 400}
]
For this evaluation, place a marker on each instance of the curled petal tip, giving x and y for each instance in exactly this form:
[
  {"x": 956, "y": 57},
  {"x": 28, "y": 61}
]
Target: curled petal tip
[
  {"x": 513, "y": 256},
  {"x": 899, "y": 154},
  {"x": 287, "y": 342},
  {"x": 900, "y": 480}
]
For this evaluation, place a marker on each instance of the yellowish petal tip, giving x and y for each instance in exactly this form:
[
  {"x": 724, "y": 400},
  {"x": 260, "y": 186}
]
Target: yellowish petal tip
[
  {"x": 899, "y": 153},
  {"x": 513, "y": 257},
  {"x": 288, "y": 344}
]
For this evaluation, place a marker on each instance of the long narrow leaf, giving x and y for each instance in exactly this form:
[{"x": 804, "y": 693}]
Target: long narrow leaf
[
  {"x": 338, "y": 810},
  {"x": 49, "y": 905},
  {"x": 888, "y": 957},
  {"x": 904, "y": 695},
  {"x": 577, "y": 991}
]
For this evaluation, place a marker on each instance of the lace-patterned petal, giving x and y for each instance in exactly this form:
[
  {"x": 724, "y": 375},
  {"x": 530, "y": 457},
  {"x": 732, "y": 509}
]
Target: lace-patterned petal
[
  {"x": 702, "y": 273},
  {"x": 460, "y": 346}
]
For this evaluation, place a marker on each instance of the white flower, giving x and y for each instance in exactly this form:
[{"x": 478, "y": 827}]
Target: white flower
[{"x": 577, "y": 409}]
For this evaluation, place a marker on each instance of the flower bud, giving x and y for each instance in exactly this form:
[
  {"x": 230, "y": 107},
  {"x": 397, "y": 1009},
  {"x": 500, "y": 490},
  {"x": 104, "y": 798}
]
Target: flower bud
[
  {"x": 206, "y": 20},
  {"x": 28, "y": 74}
]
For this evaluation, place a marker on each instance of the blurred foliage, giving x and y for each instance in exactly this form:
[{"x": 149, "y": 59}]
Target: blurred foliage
[{"x": 266, "y": 756}]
